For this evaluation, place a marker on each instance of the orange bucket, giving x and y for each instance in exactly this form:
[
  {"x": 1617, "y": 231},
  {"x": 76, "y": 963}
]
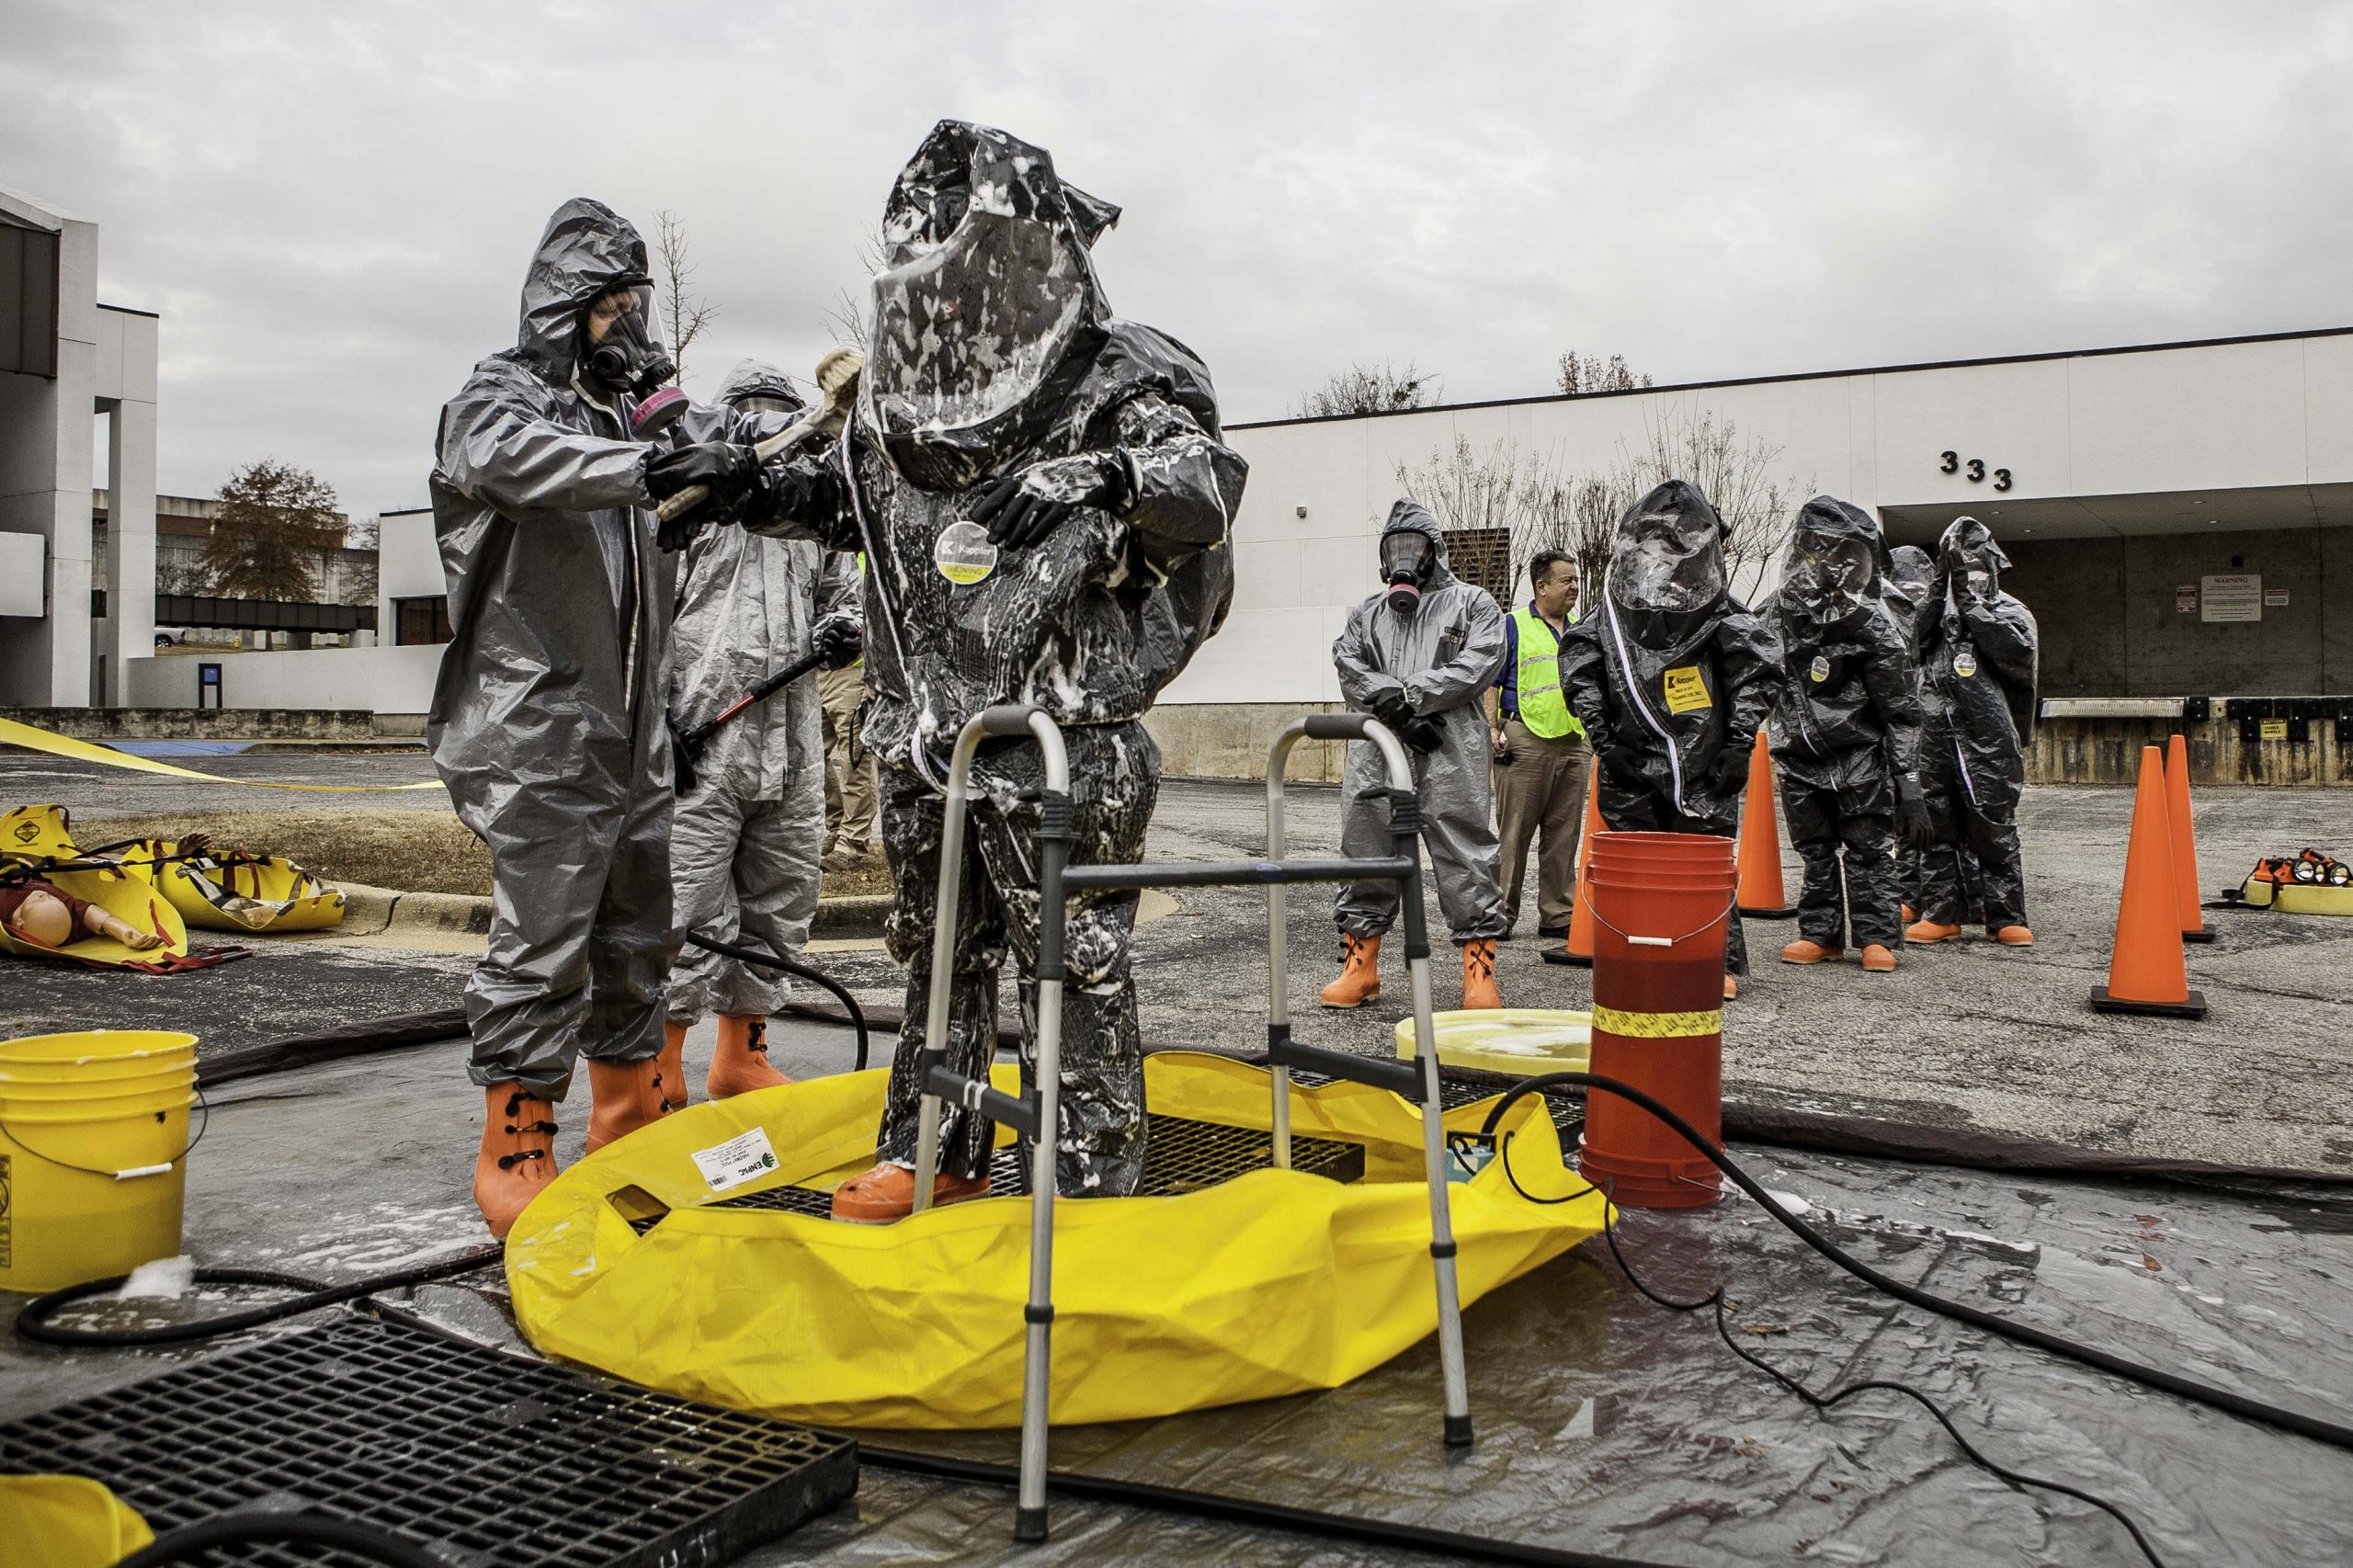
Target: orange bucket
[{"x": 1661, "y": 905}]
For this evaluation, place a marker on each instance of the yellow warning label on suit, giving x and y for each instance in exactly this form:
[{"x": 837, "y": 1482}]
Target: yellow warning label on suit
[
  {"x": 1687, "y": 689},
  {"x": 1657, "y": 1026},
  {"x": 32, "y": 739}
]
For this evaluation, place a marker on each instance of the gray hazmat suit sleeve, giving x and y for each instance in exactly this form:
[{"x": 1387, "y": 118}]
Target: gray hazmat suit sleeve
[
  {"x": 838, "y": 588},
  {"x": 1464, "y": 678},
  {"x": 1362, "y": 682},
  {"x": 493, "y": 453}
]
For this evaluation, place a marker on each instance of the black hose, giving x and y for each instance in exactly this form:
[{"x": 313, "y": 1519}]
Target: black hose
[
  {"x": 799, "y": 970},
  {"x": 1247, "y": 1511},
  {"x": 2246, "y": 1409},
  {"x": 254, "y": 1526},
  {"x": 34, "y": 1323}
]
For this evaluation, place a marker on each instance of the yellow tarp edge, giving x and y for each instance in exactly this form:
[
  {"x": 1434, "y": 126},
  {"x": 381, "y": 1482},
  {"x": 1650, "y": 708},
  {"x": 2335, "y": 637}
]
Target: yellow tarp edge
[
  {"x": 15, "y": 733},
  {"x": 1274, "y": 1283},
  {"x": 67, "y": 1521}
]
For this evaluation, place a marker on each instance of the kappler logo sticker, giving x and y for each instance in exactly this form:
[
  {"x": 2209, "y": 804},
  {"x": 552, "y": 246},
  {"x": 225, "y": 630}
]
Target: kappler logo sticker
[{"x": 1820, "y": 670}]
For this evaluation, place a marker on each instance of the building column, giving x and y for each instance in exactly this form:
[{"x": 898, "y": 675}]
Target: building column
[{"x": 131, "y": 543}]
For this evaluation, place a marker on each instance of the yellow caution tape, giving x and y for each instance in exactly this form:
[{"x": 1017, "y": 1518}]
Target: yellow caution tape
[
  {"x": 34, "y": 739},
  {"x": 1657, "y": 1026}
]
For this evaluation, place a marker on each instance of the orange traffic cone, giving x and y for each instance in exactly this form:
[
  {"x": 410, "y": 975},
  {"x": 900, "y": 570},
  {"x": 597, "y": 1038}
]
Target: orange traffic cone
[
  {"x": 2185, "y": 842},
  {"x": 2145, "y": 974},
  {"x": 1762, "y": 896},
  {"x": 1578, "y": 948}
]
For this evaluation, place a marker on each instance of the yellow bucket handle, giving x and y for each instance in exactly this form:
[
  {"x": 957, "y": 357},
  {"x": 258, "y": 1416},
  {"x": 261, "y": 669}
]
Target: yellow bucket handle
[{"x": 135, "y": 1172}]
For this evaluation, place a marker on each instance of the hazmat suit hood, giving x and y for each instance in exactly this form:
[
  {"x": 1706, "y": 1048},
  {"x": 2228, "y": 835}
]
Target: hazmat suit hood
[
  {"x": 1833, "y": 574},
  {"x": 1667, "y": 568},
  {"x": 757, "y": 378},
  {"x": 987, "y": 312},
  {"x": 1912, "y": 583},
  {"x": 589, "y": 250},
  {"x": 1413, "y": 574},
  {"x": 1979, "y": 659}
]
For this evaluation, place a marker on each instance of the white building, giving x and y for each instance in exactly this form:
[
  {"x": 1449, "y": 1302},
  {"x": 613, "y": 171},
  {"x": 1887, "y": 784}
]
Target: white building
[{"x": 65, "y": 359}]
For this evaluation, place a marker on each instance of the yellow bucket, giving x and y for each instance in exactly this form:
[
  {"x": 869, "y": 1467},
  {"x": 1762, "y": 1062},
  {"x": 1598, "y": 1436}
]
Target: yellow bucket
[{"x": 93, "y": 1145}]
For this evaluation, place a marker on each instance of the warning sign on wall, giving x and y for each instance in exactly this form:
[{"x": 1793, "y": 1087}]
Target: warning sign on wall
[
  {"x": 2234, "y": 595},
  {"x": 2185, "y": 598},
  {"x": 2275, "y": 599}
]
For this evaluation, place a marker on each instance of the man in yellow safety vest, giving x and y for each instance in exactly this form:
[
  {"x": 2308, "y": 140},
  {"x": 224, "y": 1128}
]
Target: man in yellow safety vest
[{"x": 1541, "y": 762}]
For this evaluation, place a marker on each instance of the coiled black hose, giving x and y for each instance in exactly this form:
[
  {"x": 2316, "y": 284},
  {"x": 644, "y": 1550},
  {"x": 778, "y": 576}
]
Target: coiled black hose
[{"x": 799, "y": 971}]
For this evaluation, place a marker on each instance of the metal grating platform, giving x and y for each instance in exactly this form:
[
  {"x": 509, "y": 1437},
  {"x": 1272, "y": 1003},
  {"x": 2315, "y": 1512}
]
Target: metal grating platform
[
  {"x": 488, "y": 1460},
  {"x": 1181, "y": 1156}
]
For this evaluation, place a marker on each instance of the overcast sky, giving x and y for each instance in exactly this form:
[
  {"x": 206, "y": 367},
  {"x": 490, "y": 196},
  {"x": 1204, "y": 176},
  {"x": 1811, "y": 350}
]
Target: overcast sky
[{"x": 332, "y": 207}]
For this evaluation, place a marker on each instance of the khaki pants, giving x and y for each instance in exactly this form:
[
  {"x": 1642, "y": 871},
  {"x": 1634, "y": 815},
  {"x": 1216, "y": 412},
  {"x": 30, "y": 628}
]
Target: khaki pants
[
  {"x": 849, "y": 771},
  {"x": 1540, "y": 800}
]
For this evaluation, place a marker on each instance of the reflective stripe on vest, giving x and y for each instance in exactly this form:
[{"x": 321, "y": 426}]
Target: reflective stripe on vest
[{"x": 1536, "y": 683}]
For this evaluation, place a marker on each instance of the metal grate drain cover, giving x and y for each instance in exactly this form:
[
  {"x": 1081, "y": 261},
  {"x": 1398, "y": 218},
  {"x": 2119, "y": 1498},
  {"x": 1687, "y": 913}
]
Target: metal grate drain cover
[
  {"x": 1181, "y": 1156},
  {"x": 488, "y": 1460}
]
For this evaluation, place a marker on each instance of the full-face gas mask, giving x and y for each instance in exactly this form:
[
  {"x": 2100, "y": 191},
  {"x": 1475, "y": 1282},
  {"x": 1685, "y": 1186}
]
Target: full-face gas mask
[
  {"x": 1406, "y": 558},
  {"x": 622, "y": 340}
]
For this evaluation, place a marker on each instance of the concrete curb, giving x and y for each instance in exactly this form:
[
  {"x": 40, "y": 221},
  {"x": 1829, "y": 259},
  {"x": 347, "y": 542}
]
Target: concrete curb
[{"x": 372, "y": 910}]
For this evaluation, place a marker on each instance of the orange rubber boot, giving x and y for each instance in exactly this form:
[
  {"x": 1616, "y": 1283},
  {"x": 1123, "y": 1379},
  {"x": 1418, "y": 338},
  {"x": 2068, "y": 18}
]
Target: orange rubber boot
[
  {"x": 622, "y": 1097},
  {"x": 2014, "y": 937},
  {"x": 1731, "y": 988},
  {"x": 1929, "y": 931},
  {"x": 1479, "y": 975},
  {"x": 1803, "y": 952},
  {"x": 741, "y": 1062},
  {"x": 1359, "y": 979},
  {"x": 671, "y": 1062},
  {"x": 888, "y": 1192},
  {"x": 1877, "y": 959},
  {"x": 517, "y": 1156}
]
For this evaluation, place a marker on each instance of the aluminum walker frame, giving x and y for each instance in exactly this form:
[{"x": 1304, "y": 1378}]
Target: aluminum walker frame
[{"x": 1036, "y": 1112}]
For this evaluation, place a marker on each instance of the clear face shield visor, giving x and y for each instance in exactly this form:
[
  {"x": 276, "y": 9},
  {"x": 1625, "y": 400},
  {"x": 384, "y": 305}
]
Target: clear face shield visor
[
  {"x": 1833, "y": 574},
  {"x": 1668, "y": 562}
]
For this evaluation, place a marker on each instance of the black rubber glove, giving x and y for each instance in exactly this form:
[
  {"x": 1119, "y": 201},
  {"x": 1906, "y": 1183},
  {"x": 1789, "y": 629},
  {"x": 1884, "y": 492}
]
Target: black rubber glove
[
  {"x": 1393, "y": 708},
  {"x": 728, "y": 470},
  {"x": 839, "y": 639},
  {"x": 1425, "y": 736},
  {"x": 1020, "y": 509},
  {"x": 682, "y": 760},
  {"x": 1911, "y": 810},
  {"x": 1732, "y": 769}
]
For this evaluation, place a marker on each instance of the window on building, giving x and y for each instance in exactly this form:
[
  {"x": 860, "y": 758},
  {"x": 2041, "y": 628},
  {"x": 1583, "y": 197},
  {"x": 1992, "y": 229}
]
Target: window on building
[
  {"x": 422, "y": 619},
  {"x": 1482, "y": 556}
]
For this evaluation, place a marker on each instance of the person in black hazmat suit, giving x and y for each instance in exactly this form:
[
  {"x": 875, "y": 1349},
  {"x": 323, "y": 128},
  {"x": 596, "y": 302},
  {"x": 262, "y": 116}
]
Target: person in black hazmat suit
[
  {"x": 1910, "y": 581},
  {"x": 1845, "y": 734},
  {"x": 1977, "y": 678},
  {"x": 547, "y": 721},
  {"x": 1672, "y": 679},
  {"x": 750, "y": 821},
  {"x": 1034, "y": 483},
  {"x": 1419, "y": 656}
]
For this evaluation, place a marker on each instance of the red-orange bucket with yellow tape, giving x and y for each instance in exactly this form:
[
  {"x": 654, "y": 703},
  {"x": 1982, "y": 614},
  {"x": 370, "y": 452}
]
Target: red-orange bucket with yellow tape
[{"x": 1661, "y": 903}]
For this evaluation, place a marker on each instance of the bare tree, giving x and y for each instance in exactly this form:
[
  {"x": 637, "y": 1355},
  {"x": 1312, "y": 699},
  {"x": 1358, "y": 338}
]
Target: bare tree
[
  {"x": 1581, "y": 373},
  {"x": 1738, "y": 476},
  {"x": 1369, "y": 388},
  {"x": 1577, "y": 511},
  {"x": 850, "y": 317},
  {"x": 1480, "y": 499},
  {"x": 686, "y": 310},
  {"x": 276, "y": 523}
]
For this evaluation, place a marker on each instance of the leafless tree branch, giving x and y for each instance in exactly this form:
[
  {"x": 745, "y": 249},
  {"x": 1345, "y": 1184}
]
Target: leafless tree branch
[{"x": 687, "y": 311}]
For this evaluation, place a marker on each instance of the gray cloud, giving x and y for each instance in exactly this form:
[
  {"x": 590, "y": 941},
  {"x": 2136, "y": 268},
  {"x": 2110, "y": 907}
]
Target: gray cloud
[{"x": 332, "y": 207}]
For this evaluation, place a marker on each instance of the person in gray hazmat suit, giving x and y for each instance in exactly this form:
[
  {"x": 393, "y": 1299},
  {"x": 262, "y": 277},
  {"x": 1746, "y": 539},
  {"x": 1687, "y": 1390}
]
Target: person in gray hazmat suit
[
  {"x": 1977, "y": 680},
  {"x": 1672, "y": 679},
  {"x": 1419, "y": 656},
  {"x": 547, "y": 719},
  {"x": 1845, "y": 734},
  {"x": 1034, "y": 485},
  {"x": 750, "y": 821}
]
